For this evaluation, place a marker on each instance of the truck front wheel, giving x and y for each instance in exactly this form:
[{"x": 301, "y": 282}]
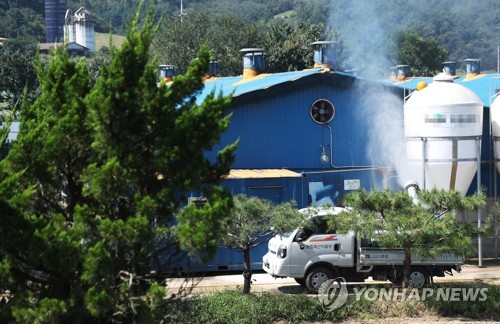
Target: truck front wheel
[{"x": 317, "y": 276}]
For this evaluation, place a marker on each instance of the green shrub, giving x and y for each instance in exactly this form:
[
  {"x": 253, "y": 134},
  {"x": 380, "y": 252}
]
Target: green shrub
[
  {"x": 231, "y": 306},
  {"x": 488, "y": 309}
]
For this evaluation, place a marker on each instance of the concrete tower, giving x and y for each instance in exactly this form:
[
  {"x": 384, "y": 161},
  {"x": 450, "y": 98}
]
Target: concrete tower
[
  {"x": 69, "y": 27},
  {"x": 84, "y": 29}
]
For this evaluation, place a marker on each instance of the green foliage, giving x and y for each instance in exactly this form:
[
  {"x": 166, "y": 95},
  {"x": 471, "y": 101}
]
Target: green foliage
[
  {"x": 234, "y": 307},
  {"x": 178, "y": 41},
  {"x": 366, "y": 30},
  {"x": 49, "y": 311},
  {"x": 253, "y": 221},
  {"x": 428, "y": 228},
  {"x": 424, "y": 55},
  {"x": 200, "y": 238},
  {"x": 394, "y": 220},
  {"x": 94, "y": 180},
  {"x": 488, "y": 309},
  {"x": 21, "y": 21},
  {"x": 289, "y": 47},
  {"x": 314, "y": 11},
  {"x": 96, "y": 62},
  {"x": 17, "y": 74}
]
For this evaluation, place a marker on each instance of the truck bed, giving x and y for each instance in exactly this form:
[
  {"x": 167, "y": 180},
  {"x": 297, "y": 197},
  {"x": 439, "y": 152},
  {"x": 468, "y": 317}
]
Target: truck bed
[{"x": 369, "y": 256}]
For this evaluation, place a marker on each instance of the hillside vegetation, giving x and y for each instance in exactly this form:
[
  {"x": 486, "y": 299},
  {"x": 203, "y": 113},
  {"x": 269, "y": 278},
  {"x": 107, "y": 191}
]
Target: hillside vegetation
[{"x": 465, "y": 28}]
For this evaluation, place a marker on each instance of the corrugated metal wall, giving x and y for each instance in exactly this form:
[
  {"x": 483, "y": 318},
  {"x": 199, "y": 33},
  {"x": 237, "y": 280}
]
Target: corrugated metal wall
[{"x": 276, "y": 130}]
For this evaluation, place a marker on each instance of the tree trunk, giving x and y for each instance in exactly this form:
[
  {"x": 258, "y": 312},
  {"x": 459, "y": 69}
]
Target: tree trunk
[
  {"x": 247, "y": 272},
  {"x": 407, "y": 267}
]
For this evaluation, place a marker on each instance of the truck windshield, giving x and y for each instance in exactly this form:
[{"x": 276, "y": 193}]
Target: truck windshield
[
  {"x": 286, "y": 234},
  {"x": 315, "y": 226}
]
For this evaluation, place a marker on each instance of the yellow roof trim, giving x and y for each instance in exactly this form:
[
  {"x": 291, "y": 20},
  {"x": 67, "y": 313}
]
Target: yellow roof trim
[
  {"x": 210, "y": 79},
  {"x": 472, "y": 76},
  {"x": 250, "y": 79},
  {"x": 261, "y": 173}
]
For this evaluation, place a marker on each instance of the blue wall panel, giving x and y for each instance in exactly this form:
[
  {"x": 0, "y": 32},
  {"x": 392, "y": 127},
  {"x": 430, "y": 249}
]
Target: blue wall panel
[{"x": 276, "y": 130}]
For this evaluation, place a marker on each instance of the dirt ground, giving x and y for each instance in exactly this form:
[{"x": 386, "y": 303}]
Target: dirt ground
[{"x": 261, "y": 281}]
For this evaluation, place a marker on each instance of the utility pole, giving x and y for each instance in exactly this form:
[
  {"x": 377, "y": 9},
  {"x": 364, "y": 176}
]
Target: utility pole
[{"x": 182, "y": 12}]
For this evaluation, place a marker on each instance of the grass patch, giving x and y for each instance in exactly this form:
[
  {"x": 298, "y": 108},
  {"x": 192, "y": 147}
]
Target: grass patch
[
  {"x": 286, "y": 15},
  {"x": 102, "y": 39},
  {"x": 485, "y": 307},
  {"x": 232, "y": 306}
]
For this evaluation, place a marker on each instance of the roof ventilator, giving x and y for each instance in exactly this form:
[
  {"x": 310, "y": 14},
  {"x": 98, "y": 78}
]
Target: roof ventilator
[
  {"x": 167, "y": 72},
  {"x": 473, "y": 66},
  {"x": 325, "y": 54},
  {"x": 449, "y": 67},
  {"x": 254, "y": 61}
]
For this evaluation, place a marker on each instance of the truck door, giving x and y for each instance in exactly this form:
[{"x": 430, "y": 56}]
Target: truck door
[{"x": 312, "y": 243}]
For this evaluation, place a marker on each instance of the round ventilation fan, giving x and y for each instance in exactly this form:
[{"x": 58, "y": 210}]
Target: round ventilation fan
[{"x": 322, "y": 111}]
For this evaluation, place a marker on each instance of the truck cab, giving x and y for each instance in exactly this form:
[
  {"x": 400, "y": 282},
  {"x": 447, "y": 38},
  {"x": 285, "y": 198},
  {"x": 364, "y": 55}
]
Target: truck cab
[{"x": 294, "y": 253}]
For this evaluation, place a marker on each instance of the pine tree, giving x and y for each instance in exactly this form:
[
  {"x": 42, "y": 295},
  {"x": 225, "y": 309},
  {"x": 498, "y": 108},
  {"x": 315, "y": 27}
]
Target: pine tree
[
  {"x": 427, "y": 228},
  {"x": 41, "y": 182},
  {"x": 253, "y": 222},
  {"x": 94, "y": 181}
]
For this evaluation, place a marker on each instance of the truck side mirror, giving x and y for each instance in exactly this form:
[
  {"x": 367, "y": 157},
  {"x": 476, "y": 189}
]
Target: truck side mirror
[{"x": 301, "y": 244}]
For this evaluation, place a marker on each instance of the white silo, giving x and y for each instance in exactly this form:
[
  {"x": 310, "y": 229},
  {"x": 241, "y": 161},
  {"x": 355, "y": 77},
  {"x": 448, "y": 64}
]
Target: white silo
[
  {"x": 69, "y": 27},
  {"x": 84, "y": 29},
  {"x": 495, "y": 127},
  {"x": 443, "y": 129}
]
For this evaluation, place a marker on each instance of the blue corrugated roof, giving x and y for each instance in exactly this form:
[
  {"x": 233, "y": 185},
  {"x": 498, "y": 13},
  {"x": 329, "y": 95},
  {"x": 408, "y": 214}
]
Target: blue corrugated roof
[
  {"x": 238, "y": 86},
  {"x": 227, "y": 85},
  {"x": 483, "y": 85}
]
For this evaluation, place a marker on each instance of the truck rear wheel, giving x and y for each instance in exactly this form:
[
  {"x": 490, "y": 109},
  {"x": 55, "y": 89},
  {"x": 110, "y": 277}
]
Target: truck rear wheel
[
  {"x": 418, "y": 278},
  {"x": 317, "y": 276}
]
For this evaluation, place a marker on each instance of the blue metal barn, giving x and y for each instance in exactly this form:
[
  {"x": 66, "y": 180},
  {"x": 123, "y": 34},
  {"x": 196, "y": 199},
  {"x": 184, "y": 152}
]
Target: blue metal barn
[
  {"x": 285, "y": 154},
  {"x": 312, "y": 136}
]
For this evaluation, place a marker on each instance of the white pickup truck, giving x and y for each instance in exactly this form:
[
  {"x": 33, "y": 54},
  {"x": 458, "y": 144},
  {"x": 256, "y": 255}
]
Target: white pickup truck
[{"x": 311, "y": 254}]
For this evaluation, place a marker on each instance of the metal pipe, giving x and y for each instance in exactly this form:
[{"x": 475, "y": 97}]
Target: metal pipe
[
  {"x": 493, "y": 170},
  {"x": 349, "y": 170},
  {"x": 496, "y": 238},
  {"x": 331, "y": 146},
  {"x": 424, "y": 158},
  {"x": 479, "y": 238}
]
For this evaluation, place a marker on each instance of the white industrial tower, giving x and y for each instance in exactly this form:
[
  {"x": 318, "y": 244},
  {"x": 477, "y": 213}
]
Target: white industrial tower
[{"x": 79, "y": 28}]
